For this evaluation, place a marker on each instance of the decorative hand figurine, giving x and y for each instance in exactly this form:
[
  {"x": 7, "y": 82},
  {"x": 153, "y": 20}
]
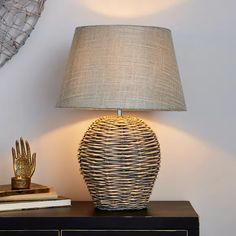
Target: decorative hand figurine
[{"x": 23, "y": 165}]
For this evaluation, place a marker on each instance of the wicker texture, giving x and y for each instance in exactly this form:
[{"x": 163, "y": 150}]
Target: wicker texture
[
  {"x": 125, "y": 67},
  {"x": 119, "y": 158},
  {"x": 17, "y": 20}
]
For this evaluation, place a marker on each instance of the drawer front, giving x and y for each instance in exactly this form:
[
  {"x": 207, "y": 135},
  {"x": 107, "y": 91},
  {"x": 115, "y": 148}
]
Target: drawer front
[
  {"x": 29, "y": 233},
  {"x": 124, "y": 233}
]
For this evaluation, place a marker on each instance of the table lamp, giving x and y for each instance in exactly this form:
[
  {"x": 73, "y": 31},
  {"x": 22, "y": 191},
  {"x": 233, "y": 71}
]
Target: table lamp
[{"x": 121, "y": 67}]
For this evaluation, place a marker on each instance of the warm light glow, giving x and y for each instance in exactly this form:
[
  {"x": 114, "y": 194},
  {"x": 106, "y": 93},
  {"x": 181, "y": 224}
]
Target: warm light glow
[{"x": 129, "y": 8}]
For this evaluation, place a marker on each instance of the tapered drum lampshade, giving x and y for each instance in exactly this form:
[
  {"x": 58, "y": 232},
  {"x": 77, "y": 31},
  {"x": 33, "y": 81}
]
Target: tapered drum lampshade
[{"x": 121, "y": 67}]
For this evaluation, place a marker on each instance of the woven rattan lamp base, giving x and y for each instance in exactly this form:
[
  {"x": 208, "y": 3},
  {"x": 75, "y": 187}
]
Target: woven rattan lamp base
[{"x": 119, "y": 158}]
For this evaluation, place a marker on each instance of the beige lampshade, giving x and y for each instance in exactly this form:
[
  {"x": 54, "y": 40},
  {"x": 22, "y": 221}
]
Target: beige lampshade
[{"x": 122, "y": 67}]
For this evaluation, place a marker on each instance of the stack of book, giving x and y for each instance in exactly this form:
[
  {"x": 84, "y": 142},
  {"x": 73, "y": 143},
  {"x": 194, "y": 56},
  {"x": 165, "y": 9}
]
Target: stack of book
[{"x": 38, "y": 196}]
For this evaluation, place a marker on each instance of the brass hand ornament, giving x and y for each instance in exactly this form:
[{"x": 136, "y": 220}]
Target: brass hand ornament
[{"x": 23, "y": 165}]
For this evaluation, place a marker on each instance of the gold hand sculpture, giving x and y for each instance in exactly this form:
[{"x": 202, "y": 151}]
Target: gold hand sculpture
[{"x": 23, "y": 165}]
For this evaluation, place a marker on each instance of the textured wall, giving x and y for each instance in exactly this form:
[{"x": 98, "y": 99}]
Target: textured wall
[{"x": 198, "y": 146}]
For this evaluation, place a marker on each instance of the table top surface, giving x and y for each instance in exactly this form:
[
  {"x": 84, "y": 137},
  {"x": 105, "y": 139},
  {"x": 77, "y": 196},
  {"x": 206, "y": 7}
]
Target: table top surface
[
  {"x": 83, "y": 215},
  {"x": 87, "y": 209}
]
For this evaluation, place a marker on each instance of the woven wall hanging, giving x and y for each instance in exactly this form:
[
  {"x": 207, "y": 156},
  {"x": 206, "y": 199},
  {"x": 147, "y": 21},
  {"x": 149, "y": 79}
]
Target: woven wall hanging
[{"x": 17, "y": 20}]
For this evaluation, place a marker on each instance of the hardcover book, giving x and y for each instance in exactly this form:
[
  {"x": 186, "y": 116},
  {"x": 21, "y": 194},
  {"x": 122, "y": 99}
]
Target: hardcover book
[
  {"x": 22, "y": 205},
  {"x": 31, "y": 197},
  {"x": 5, "y": 190}
]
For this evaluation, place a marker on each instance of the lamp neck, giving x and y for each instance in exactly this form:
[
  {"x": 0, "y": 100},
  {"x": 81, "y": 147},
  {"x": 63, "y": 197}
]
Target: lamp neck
[{"x": 119, "y": 112}]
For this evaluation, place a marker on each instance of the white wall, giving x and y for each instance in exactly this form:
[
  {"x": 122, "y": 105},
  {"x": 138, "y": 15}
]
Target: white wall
[{"x": 198, "y": 146}]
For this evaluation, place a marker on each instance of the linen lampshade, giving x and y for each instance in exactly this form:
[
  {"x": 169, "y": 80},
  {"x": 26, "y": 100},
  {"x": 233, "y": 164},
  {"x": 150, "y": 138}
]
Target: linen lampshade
[{"x": 122, "y": 67}]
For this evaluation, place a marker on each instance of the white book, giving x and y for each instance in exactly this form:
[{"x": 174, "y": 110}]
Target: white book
[{"x": 22, "y": 205}]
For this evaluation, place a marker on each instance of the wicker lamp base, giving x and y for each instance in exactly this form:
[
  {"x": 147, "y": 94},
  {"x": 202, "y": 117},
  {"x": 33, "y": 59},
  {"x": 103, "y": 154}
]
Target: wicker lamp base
[{"x": 119, "y": 158}]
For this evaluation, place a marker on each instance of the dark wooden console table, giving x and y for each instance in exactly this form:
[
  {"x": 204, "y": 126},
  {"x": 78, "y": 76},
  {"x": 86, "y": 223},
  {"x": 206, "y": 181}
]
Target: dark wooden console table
[{"x": 161, "y": 218}]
